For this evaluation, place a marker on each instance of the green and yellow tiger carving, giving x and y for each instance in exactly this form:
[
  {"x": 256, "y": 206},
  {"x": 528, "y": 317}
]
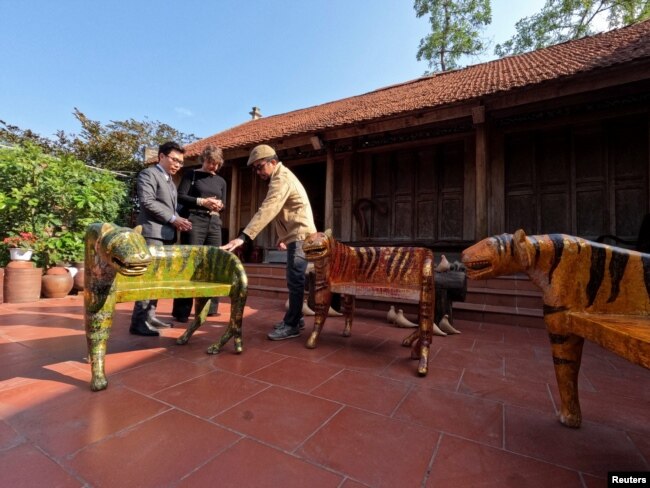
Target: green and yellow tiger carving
[
  {"x": 388, "y": 272},
  {"x": 121, "y": 268},
  {"x": 575, "y": 276}
]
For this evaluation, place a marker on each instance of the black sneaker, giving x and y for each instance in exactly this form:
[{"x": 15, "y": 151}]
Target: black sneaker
[{"x": 283, "y": 333}]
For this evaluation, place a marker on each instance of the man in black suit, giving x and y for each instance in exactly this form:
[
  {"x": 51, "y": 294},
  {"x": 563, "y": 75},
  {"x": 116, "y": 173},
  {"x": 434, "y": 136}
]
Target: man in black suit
[{"x": 159, "y": 221}]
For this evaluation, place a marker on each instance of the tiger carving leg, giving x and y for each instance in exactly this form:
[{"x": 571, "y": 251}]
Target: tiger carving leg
[
  {"x": 322, "y": 300},
  {"x": 567, "y": 356},
  {"x": 348, "y": 312}
]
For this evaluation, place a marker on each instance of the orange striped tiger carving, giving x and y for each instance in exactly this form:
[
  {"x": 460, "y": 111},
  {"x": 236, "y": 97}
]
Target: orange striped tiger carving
[
  {"x": 576, "y": 276},
  {"x": 390, "y": 272}
]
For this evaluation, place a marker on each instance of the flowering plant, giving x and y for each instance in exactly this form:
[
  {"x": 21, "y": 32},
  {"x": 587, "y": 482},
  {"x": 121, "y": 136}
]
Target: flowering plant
[{"x": 24, "y": 240}]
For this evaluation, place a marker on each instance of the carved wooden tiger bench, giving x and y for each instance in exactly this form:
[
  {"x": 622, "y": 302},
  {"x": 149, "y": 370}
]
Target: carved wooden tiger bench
[
  {"x": 121, "y": 268},
  {"x": 399, "y": 273},
  {"x": 590, "y": 290}
]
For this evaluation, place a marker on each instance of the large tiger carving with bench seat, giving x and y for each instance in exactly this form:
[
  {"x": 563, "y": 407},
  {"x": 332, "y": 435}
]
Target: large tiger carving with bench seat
[
  {"x": 586, "y": 288},
  {"x": 391, "y": 272},
  {"x": 120, "y": 267}
]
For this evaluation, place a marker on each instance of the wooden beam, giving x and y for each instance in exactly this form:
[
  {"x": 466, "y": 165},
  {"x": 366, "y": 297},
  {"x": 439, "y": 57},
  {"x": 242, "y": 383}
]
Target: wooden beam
[
  {"x": 497, "y": 211},
  {"x": 329, "y": 188},
  {"x": 233, "y": 204},
  {"x": 346, "y": 198},
  {"x": 481, "y": 183}
]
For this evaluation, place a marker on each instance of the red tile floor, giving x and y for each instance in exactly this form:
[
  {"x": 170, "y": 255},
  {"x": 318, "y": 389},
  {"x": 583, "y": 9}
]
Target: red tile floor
[{"x": 350, "y": 413}]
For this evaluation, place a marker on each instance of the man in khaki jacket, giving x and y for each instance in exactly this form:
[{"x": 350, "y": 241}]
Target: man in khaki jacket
[{"x": 287, "y": 204}]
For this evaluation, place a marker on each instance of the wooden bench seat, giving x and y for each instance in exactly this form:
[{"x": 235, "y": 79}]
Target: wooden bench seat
[
  {"x": 625, "y": 335},
  {"x": 130, "y": 291}
]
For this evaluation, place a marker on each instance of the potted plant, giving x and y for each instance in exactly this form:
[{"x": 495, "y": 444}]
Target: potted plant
[{"x": 20, "y": 245}]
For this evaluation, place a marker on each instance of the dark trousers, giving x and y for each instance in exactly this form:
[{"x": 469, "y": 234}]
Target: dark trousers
[
  {"x": 206, "y": 231},
  {"x": 145, "y": 310},
  {"x": 296, "y": 267}
]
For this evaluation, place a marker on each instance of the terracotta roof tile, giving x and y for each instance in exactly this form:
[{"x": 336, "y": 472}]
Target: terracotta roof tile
[{"x": 571, "y": 58}]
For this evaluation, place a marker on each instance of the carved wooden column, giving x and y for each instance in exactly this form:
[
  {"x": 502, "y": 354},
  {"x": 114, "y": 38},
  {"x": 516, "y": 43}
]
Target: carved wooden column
[
  {"x": 329, "y": 189},
  {"x": 233, "y": 204},
  {"x": 478, "y": 118}
]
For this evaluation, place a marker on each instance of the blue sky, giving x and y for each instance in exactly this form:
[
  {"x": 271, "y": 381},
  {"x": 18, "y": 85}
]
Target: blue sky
[{"x": 200, "y": 65}]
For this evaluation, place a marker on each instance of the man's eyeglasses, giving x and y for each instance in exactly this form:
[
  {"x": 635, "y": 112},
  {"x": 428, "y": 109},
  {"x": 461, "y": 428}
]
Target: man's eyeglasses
[
  {"x": 176, "y": 160},
  {"x": 258, "y": 167}
]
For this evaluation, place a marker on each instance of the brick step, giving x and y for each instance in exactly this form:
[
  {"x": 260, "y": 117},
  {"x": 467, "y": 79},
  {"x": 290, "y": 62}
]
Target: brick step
[{"x": 510, "y": 300}]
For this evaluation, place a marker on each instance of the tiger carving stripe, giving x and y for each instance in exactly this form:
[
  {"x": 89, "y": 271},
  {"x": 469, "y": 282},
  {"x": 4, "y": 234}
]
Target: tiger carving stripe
[
  {"x": 590, "y": 290},
  {"x": 380, "y": 272}
]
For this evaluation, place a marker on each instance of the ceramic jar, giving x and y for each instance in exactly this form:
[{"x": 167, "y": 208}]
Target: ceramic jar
[
  {"x": 22, "y": 282},
  {"x": 57, "y": 282}
]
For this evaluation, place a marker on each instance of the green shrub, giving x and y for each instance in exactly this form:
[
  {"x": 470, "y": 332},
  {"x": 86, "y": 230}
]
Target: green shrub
[{"x": 55, "y": 198}]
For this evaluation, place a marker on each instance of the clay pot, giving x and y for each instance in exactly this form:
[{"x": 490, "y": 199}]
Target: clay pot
[
  {"x": 79, "y": 277},
  {"x": 22, "y": 282},
  {"x": 57, "y": 282}
]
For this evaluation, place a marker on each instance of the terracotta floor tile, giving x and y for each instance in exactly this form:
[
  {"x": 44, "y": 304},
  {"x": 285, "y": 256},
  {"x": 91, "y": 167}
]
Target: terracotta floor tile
[
  {"x": 8, "y": 436},
  {"x": 642, "y": 442},
  {"x": 296, "y": 374},
  {"x": 531, "y": 369},
  {"x": 437, "y": 377},
  {"x": 593, "y": 482},
  {"x": 27, "y": 394},
  {"x": 632, "y": 414},
  {"x": 512, "y": 392},
  {"x": 592, "y": 449},
  {"x": 348, "y": 483},
  {"x": 358, "y": 358},
  {"x": 211, "y": 394},
  {"x": 249, "y": 463},
  {"x": 459, "y": 462},
  {"x": 283, "y": 418},
  {"x": 364, "y": 390},
  {"x": 296, "y": 348},
  {"x": 397, "y": 457},
  {"x": 155, "y": 376},
  {"x": 482, "y": 420},
  {"x": 503, "y": 350},
  {"x": 153, "y": 453},
  {"x": 26, "y": 467},
  {"x": 617, "y": 385},
  {"x": 469, "y": 360},
  {"x": 70, "y": 422},
  {"x": 248, "y": 361}
]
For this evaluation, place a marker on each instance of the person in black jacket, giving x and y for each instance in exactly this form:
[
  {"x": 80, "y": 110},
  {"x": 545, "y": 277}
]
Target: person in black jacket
[{"x": 202, "y": 193}]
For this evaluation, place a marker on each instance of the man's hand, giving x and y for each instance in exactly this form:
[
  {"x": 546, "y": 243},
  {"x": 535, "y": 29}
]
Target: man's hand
[
  {"x": 182, "y": 224},
  {"x": 234, "y": 244}
]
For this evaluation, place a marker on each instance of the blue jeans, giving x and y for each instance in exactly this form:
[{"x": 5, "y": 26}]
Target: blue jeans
[{"x": 296, "y": 267}]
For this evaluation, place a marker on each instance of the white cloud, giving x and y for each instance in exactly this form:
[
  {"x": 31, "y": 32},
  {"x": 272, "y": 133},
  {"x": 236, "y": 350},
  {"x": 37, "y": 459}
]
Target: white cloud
[{"x": 183, "y": 112}]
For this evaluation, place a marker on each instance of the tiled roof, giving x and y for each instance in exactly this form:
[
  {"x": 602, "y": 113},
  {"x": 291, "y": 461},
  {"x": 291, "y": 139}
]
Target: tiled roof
[{"x": 571, "y": 58}]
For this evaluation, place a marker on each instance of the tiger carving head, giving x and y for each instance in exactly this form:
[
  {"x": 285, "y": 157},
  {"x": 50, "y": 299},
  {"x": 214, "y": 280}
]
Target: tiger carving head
[
  {"x": 318, "y": 246},
  {"x": 124, "y": 249},
  {"x": 498, "y": 255}
]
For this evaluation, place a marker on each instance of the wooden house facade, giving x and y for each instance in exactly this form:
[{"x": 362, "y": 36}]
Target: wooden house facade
[{"x": 556, "y": 140}]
